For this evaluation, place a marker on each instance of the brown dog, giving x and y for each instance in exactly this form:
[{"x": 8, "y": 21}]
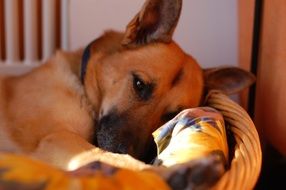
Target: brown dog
[{"x": 130, "y": 84}]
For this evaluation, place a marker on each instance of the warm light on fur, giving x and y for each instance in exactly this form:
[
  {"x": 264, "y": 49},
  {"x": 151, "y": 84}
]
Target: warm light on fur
[{"x": 50, "y": 115}]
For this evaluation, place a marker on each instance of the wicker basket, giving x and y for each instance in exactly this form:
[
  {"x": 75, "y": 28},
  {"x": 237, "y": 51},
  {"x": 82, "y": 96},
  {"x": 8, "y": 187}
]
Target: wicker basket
[{"x": 245, "y": 165}]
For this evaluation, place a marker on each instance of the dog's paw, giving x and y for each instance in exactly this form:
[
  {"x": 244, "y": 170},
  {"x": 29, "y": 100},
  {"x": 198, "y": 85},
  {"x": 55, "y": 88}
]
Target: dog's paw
[
  {"x": 197, "y": 174},
  {"x": 108, "y": 158}
]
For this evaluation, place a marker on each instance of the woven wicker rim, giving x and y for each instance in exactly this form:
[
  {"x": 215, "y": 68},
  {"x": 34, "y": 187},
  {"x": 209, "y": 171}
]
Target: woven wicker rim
[{"x": 246, "y": 164}]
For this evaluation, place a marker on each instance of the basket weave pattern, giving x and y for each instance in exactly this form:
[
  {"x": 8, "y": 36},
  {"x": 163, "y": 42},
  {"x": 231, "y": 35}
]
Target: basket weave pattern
[{"x": 245, "y": 166}]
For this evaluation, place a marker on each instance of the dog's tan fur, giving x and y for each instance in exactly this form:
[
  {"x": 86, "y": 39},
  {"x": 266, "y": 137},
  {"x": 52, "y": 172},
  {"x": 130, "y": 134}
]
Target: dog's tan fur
[{"x": 48, "y": 114}]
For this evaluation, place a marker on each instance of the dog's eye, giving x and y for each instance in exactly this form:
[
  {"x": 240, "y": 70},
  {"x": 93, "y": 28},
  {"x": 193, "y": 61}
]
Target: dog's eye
[{"x": 143, "y": 89}]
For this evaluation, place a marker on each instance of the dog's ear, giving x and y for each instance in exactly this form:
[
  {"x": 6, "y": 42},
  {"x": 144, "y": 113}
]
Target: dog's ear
[
  {"x": 154, "y": 23},
  {"x": 227, "y": 79}
]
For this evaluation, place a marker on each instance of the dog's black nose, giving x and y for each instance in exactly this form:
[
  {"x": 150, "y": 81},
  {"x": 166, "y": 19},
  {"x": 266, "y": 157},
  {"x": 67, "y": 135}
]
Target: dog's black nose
[
  {"x": 114, "y": 133},
  {"x": 111, "y": 133},
  {"x": 108, "y": 121}
]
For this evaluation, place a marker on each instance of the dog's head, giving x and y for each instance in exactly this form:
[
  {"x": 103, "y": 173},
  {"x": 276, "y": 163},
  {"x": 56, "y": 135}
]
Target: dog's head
[{"x": 140, "y": 79}]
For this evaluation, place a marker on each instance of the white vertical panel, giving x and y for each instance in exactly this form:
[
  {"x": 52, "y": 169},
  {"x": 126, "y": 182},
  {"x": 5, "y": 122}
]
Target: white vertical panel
[
  {"x": 12, "y": 30},
  {"x": 30, "y": 30},
  {"x": 48, "y": 28},
  {"x": 65, "y": 24}
]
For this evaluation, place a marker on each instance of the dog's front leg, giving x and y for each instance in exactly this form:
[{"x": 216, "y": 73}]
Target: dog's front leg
[
  {"x": 69, "y": 151},
  {"x": 59, "y": 147},
  {"x": 113, "y": 159}
]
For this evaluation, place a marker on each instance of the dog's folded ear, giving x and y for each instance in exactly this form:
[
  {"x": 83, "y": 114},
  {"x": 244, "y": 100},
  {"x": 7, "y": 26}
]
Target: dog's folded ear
[
  {"x": 154, "y": 23},
  {"x": 230, "y": 80}
]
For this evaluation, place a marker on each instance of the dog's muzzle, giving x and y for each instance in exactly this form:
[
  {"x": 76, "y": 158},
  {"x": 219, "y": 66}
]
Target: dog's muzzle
[{"x": 113, "y": 134}]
